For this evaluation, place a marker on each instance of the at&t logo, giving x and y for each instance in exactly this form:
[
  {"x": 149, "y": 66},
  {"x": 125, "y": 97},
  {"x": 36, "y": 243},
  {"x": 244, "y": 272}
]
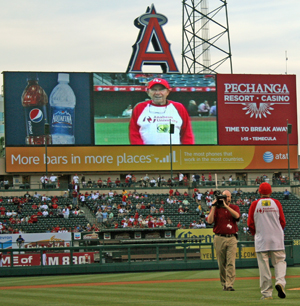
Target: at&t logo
[{"x": 268, "y": 157}]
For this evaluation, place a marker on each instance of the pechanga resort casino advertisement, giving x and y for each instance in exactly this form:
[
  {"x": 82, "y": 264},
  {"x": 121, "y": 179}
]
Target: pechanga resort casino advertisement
[{"x": 256, "y": 109}]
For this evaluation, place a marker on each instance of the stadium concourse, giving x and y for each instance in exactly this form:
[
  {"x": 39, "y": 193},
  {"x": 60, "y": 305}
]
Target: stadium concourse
[{"x": 95, "y": 209}]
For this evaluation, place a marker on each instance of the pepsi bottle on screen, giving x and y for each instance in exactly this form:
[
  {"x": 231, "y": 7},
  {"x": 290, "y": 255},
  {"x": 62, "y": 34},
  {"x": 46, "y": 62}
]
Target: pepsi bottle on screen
[
  {"x": 34, "y": 101},
  {"x": 62, "y": 106}
]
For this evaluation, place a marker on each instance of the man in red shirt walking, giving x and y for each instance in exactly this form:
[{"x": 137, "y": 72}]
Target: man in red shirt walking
[{"x": 225, "y": 216}]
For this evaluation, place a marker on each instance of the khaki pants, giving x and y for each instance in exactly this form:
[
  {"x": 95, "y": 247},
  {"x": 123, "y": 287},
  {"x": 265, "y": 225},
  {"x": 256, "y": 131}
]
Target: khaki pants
[
  {"x": 226, "y": 248},
  {"x": 279, "y": 264}
]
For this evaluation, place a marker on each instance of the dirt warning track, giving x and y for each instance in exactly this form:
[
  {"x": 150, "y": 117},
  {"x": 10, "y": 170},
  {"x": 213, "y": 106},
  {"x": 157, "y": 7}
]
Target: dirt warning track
[{"x": 131, "y": 283}]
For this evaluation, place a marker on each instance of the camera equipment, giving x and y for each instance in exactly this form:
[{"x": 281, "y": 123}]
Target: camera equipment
[{"x": 219, "y": 197}]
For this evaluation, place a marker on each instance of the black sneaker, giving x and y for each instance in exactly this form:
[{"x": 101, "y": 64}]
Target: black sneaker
[
  {"x": 281, "y": 292},
  {"x": 230, "y": 289}
]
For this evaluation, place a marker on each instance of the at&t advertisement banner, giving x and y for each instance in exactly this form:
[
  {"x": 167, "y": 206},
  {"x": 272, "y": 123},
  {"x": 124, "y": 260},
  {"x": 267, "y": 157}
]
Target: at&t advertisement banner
[{"x": 135, "y": 158}]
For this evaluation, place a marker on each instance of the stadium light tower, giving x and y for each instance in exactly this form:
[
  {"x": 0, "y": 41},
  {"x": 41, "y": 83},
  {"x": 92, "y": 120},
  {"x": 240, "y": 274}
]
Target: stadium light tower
[{"x": 205, "y": 36}]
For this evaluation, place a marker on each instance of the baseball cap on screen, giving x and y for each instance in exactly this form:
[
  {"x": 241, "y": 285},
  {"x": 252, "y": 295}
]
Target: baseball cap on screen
[{"x": 158, "y": 81}]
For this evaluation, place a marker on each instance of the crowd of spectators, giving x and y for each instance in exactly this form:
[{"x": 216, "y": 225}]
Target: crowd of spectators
[
  {"x": 137, "y": 209},
  {"x": 28, "y": 209},
  {"x": 119, "y": 208}
]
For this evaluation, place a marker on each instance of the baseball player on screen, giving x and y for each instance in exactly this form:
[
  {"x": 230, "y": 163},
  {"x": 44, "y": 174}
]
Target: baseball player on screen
[{"x": 150, "y": 121}]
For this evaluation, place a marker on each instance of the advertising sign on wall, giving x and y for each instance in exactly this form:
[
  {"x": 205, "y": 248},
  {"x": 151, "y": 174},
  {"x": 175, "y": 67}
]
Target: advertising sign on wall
[
  {"x": 135, "y": 158},
  {"x": 60, "y": 99},
  {"x": 8, "y": 241},
  {"x": 51, "y": 259},
  {"x": 256, "y": 109}
]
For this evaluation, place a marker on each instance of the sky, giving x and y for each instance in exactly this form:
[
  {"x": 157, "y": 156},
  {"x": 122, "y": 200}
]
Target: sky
[{"x": 97, "y": 35}]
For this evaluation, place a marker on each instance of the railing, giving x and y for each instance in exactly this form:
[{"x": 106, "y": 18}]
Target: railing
[
  {"x": 175, "y": 184},
  {"x": 126, "y": 254}
]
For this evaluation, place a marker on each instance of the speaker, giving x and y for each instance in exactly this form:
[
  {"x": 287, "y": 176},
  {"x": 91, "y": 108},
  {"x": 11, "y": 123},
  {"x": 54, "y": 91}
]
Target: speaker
[
  {"x": 171, "y": 128},
  {"x": 289, "y": 127},
  {"x": 47, "y": 129}
]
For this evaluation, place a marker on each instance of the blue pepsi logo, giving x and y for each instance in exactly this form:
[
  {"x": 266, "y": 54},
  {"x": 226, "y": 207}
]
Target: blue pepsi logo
[{"x": 36, "y": 115}]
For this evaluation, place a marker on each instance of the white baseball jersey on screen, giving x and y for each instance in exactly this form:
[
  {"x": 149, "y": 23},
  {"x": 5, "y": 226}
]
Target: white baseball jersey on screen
[{"x": 150, "y": 124}]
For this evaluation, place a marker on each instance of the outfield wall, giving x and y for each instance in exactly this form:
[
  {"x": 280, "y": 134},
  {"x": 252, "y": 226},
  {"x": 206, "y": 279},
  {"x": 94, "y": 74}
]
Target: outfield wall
[{"x": 106, "y": 259}]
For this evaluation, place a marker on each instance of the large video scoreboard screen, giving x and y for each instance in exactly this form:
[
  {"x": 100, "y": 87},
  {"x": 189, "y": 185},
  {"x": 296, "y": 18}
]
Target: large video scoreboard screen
[
  {"x": 116, "y": 96},
  {"x": 232, "y": 120}
]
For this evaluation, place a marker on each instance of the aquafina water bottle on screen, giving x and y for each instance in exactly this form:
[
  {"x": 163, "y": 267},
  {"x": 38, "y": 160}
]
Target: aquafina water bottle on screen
[{"x": 62, "y": 105}]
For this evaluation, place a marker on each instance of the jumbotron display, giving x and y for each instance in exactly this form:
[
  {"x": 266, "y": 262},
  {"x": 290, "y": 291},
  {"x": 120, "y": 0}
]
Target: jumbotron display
[{"x": 116, "y": 121}]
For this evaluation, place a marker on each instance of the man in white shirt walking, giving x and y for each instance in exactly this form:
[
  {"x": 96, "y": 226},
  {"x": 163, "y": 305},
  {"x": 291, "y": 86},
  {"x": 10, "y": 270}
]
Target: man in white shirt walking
[{"x": 266, "y": 222}]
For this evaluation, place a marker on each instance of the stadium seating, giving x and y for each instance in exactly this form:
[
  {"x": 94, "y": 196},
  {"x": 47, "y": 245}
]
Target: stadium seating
[
  {"x": 43, "y": 224},
  {"x": 291, "y": 209}
]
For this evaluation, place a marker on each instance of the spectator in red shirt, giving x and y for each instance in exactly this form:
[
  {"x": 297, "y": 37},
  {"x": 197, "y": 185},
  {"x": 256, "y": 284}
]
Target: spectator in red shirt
[
  {"x": 150, "y": 223},
  {"x": 75, "y": 197},
  {"x": 56, "y": 228},
  {"x": 34, "y": 206},
  {"x": 95, "y": 228},
  {"x": 100, "y": 183},
  {"x": 12, "y": 220},
  {"x": 160, "y": 223},
  {"x": 127, "y": 182},
  {"x": 180, "y": 210},
  {"x": 185, "y": 180},
  {"x": 34, "y": 218},
  {"x": 136, "y": 216},
  {"x": 16, "y": 200},
  {"x": 109, "y": 182},
  {"x": 117, "y": 182},
  {"x": 124, "y": 197}
]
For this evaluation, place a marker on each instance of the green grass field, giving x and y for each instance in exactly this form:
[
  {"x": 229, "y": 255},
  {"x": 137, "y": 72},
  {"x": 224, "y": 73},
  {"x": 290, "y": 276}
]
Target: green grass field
[
  {"x": 193, "y": 288},
  {"x": 116, "y": 133}
]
